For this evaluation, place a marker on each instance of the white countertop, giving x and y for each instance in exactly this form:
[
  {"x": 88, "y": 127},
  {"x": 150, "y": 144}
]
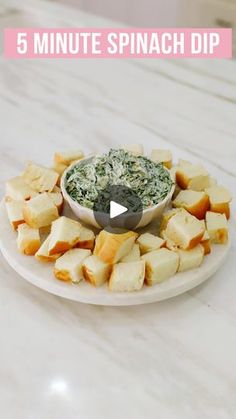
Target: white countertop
[{"x": 64, "y": 360}]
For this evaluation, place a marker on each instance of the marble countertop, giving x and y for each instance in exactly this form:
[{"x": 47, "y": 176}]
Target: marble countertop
[{"x": 64, "y": 360}]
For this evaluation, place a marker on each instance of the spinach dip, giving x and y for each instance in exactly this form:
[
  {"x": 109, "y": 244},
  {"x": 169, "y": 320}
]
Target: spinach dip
[{"x": 87, "y": 179}]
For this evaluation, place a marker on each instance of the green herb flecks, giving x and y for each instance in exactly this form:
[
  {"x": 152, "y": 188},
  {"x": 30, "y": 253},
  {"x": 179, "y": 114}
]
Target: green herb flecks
[{"x": 149, "y": 180}]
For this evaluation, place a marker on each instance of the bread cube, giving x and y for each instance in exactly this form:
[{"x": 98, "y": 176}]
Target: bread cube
[
  {"x": 195, "y": 202},
  {"x": 219, "y": 198},
  {"x": 185, "y": 230},
  {"x": 167, "y": 216},
  {"x": 40, "y": 211},
  {"x": 86, "y": 239},
  {"x": 96, "y": 271},
  {"x": 169, "y": 244},
  {"x": 160, "y": 265},
  {"x": 217, "y": 227},
  {"x": 148, "y": 242},
  {"x": 162, "y": 156},
  {"x": 133, "y": 255},
  {"x": 15, "y": 213},
  {"x": 43, "y": 253},
  {"x": 136, "y": 149},
  {"x": 193, "y": 177},
  {"x": 206, "y": 242},
  {"x": 65, "y": 234},
  {"x": 112, "y": 247},
  {"x": 127, "y": 277},
  {"x": 28, "y": 239},
  {"x": 57, "y": 198},
  {"x": 18, "y": 190},
  {"x": 68, "y": 267},
  {"x": 66, "y": 158},
  {"x": 190, "y": 259},
  {"x": 40, "y": 178}
]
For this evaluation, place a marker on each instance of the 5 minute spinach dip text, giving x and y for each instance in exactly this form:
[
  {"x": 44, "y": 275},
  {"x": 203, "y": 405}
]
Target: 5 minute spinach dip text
[{"x": 149, "y": 180}]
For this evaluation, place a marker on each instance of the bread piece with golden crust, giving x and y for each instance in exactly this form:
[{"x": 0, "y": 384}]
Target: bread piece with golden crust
[
  {"x": 148, "y": 242},
  {"x": 220, "y": 199},
  {"x": 96, "y": 271},
  {"x": 112, "y": 247},
  {"x": 40, "y": 178},
  {"x": 160, "y": 265},
  {"x": 15, "y": 212},
  {"x": 86, "y": 238},
  {"x": 43, "y": 255},
  {"x": 65, "y": 234},
  {"x": 40, "y": 211},
  {"x": 28, "y": 240},
  {"x": 195, "y": 202},
  {"x": 217, "y": 227},
  {"x": 185, "y": 230},
  {"x": 190, "y": 259},
  {"x": 193, "y": 177},
  {"x": 66, "y": 158},
  {"x": 68, "y": 267},
  {"x": 127, "y": 277},
  {"x": 17, "y": 189},
  {"x": 162, "y": 156},
  {"x": 133, "y": 255}
]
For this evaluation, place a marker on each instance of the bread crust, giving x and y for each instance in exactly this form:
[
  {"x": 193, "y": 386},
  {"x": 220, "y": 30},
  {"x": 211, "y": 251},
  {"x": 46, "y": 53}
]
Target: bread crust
[
  {"x": 182, "y": 180},
  {"x": 206, "y": 244},
  {"x": 223, "y": 208},
  {"x": 199, "y": 209},
  {"x": 30, "y": 248},
  {"x": 62, "y": 247},
  {"x": 15, "y": 224},
  {"x": 195, "y": 241},
  {"x": 62, "y": 275},
  {"x": 86, "y": 244}
]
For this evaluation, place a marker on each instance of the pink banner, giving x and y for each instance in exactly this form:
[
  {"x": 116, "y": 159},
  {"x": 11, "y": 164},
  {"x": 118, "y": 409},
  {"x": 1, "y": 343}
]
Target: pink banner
[{"x": 118, "y": 43}]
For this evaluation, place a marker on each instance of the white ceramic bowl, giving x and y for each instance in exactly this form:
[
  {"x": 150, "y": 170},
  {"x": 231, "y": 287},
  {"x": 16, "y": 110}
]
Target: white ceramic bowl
[{"x": 87, "y": 216}]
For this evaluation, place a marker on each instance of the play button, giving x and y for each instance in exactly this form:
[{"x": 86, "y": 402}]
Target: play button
[
  {"x": 116, "y": 209},
  {"x": 117, "y": 206}
]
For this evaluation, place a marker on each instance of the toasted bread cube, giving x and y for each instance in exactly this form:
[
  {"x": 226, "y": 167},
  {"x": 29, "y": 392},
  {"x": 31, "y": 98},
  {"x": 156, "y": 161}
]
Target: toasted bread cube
[
  {"x": 112, "y": 247},
  {"x": 127, "y": 277},
  {"x": 195, "y": 202},
  {"x": 66, "y": 158},
  {"x": 96, "y": 271},
  {"x": 167, "y": 216},
  {"x": 219, "y": 198},
  {"x": 28, "y": 239},
  {"x": 136, "y": 149},
  {"x": 190, "y": 259},
  {"x": 17, "y": 189},
  {"x": 185, "y": 230},
  {"x": 133, "y": 255},
  {"x": 40, "y": 211},
  {"x": 217, "y": 227},
  {"x": 65, "y": 234},
  {"x": 59, "y": 168},
  {"x": 169, "y": 244},
  {"x": 148, "y": 242},
  {"x": 15, "y": 213},
  {"x": 43, "y": 254},
  {"x": 206, "y": 241},
  {"x": 160, "y": 265},
  {"x": 162, "y": 156},
  {"x": 57, "y": 198},
  {"x": 40, "y": 178},
  {"x": 68, "y": 267},
  {"x": 86, "y": 238},
  {"x": 193, "y": 177}
]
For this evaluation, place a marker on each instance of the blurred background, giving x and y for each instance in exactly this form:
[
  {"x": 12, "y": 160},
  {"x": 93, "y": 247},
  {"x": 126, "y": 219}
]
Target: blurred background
[{"x": 164, "y": 13}]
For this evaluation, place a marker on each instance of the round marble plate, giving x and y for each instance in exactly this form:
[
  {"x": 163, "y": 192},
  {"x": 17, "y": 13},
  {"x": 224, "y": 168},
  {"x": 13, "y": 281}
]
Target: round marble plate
[{"x": 41, "y": 275}]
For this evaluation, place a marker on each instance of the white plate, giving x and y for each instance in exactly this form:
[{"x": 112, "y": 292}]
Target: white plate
[{"x": 41, "y": 275}]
